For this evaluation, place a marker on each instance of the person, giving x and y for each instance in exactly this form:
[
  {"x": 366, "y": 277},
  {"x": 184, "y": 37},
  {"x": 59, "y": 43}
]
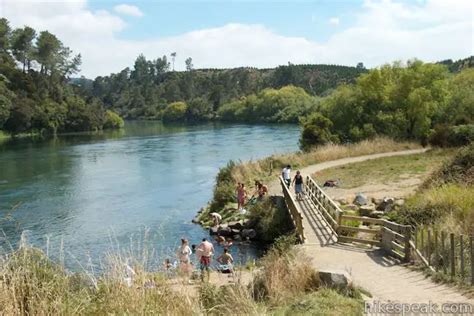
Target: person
[
  {"x": 227, "y": 243},
  {"x": 262, "y": 191},
  {"x": 226, "y": 261},
  {"x": 184, "y": 256},
  {"x": 206, "y": 251},
  {"x": 298, "y": 181},
  {"x": 241, "y": 196},
  {"x": 216, "y": 218},
  {"x": 285, "y": 173}
]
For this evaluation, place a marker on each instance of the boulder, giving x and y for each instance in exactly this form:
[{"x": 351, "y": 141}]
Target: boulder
[
  {"x": 213, "y": 230},
  {"x": 224, "y": 231},
  {"x": 351, "y": 207},
  {"x": 235, "y": 224},
  {"x": 360, "y": 199},
  {"x": 248, "y": 233},
  {"x": 366, "y": 210},
  {"x": 337, "y": 279},
  {"x": 248, "y": 223},
  {"x": 376, "y": 214},
  {"x": 195, "y": 220},
  {"x": 399, "y": 202},
  {"x": 342, "y": 201},
  {"x": 235, "y": 231},
  {"x": 377, "y": 201},
  {"x": 386, "y": 205}
]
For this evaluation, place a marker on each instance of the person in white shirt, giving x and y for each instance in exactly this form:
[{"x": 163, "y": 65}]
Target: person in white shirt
[
  {"x": 184, "y": 253},
  {"x": 285, "y": 173},
  {"x": 216, "y": 217}
]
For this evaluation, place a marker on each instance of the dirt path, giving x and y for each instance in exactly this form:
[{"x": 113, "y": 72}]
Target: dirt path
[{"x": 381, "y": 275}]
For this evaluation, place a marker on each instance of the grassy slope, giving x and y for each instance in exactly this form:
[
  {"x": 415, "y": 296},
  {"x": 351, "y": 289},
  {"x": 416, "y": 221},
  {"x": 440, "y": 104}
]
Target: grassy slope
[{"x": 388, "y": 169}]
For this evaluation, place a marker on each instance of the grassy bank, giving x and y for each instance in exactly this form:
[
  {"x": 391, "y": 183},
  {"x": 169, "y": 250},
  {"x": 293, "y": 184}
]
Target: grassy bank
[{"x": 283, "y": 283}]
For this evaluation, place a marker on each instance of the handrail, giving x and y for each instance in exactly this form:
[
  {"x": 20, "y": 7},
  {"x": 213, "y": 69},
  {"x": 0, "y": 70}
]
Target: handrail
[{"x": 294, "y": 210}]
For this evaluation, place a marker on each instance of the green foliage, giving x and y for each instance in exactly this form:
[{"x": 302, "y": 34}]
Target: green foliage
[
  {"x": 400, "y": 101},
  {"x": 224, "y": 189},
  {"x": 316, "y": 131},
  {"x": 112, "y": 120},
  {"x": 42, "y": 101},
  {"x": 175, "y": 112},
  {"x": 452, "y": 136},
  {"x": 285, "y": 105}
]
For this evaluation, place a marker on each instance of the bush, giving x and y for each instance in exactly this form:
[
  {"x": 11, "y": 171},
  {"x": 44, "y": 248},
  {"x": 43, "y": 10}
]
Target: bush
[
  {"x": 316, "y": 131},
  {"x": 452, "y": 136},
  {"x": 112, "y": 120},
  {"x": 175, "y": 112}
]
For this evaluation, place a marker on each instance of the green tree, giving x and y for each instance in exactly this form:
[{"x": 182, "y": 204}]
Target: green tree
[
  {"x": 175, "y": 112},
  {"x": 112, "y": 120},
  {"x": 316, "y": 131},
  {"x": 48, "y": 52},
  {"x": 189, "y": 64},
  {"x": 5, "y": 31},
  {"x": 22, "y": 46}
]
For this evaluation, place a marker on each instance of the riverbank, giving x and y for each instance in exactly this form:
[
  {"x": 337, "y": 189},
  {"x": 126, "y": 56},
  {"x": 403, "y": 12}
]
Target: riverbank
[{"x": 269, "y": 217}]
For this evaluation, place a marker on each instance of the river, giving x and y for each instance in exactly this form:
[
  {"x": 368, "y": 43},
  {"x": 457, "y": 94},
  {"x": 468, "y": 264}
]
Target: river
[{"x": 133, "y": 191}]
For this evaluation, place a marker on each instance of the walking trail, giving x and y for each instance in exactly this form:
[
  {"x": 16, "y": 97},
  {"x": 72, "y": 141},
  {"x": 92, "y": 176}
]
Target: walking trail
[{"x": 383, "y": 276}]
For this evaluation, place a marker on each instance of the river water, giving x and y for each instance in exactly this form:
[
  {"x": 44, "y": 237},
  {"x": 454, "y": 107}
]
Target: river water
[{"x": 132, "y": 191}]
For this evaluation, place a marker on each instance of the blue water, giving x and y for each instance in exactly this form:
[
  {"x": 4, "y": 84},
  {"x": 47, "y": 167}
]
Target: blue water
[{"x": 82, "y": 196}]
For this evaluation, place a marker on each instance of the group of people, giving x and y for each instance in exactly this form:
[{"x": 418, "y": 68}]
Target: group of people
[
  {"x": 297, "y": 181},
  {"x": 203, "y": 256},
  {"x": 261, "y": 190}
]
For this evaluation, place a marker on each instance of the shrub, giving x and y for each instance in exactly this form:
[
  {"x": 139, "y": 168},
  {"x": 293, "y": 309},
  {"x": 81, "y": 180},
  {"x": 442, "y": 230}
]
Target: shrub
[
  {"x": 316, "y": 131},
  {"x": 175, "y": 111},
  {"x": 112, "y": 120},
  {"x": 452, "y": 136}
]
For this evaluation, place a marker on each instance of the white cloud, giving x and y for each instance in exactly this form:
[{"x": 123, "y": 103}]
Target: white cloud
[
  {"x": 334, "y": 21},
  {"x": 127, "y": 9},
  {"x": 383, "y": 31}
]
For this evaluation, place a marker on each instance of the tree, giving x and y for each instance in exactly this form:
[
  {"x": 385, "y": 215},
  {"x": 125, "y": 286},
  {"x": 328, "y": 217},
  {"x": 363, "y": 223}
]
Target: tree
[
  {"x": 360, "y": 65},
  {"x": 48, "y": 51},
  {"x": 316, "y": 131},
  {"x": 189, "y": 64},
  {"x": 22, "y": 46},
  {"x": 175, "y": 112},
  {"x": 4, "y": 35},
  {"x": 173, "y": 57}
]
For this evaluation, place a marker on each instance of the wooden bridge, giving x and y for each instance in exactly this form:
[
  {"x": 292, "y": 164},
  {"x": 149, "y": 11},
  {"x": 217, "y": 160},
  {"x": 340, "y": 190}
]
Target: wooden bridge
[{"x": 374, "y": 253}]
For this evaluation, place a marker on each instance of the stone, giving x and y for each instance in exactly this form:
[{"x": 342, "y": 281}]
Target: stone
[
  {"x": 377, "y": 201},
  {"x": 248, "y": 223},
  {"x": 235, "y": 231},
  {"x": 386, "y": 205},
  {"x": 351, "y": 207},
  {"x": 343, "y": 201},
  {"x": 248, "y": 233},
  {"x": 360, "y": 199},
  {"x": 376, "y": 214},
  {"x": 366, "y": 210},
  {"x": 336, "y": 279},
  {"x": 399, "y": 202},
  {"x": 195, "y": 220},
  {"x": 224, "y": 231},
  {"x": 235, "y": 224},
  {"x": 213, "y": 230}
]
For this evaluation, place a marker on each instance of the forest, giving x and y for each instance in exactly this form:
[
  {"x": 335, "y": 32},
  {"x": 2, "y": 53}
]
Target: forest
[{"x": 35, "y": 96}]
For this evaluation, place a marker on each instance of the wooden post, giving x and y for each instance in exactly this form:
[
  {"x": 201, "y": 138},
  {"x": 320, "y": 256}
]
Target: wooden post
[
  {"x": 422, "y": 241},
  {"x": 436, "y": 250},
  {"x": 472, "y": 259},
  {"x": 443, "y": 251},
  {"x": 453, "y": 263},
  {"x": 461, "y": 240},
  {"x": 428, "y": 247},
  {"x": 416, "y": 237},
  {"x": 407, "y": 243}
]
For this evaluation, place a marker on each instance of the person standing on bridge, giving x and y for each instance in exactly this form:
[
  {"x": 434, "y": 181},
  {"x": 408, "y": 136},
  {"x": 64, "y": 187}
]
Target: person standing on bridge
[
  {"x": 298, "y": 181},
  {"x": 285, "y": 173}
]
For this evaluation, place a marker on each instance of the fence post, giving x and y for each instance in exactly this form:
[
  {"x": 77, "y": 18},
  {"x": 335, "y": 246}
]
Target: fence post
[
  {"x": 416, "y": 237},
  {"x": 407, "y": 243},
  {"x": 428, "y": 248},
  {"x": 436, "y": 250},
  {"x": 472, "y": 259},
  {"x": 461, "y": 240},
  {"x": 423, "y": 240},
  {"x": 453, "y": 264},
  {"x": 443, "y": 250}
]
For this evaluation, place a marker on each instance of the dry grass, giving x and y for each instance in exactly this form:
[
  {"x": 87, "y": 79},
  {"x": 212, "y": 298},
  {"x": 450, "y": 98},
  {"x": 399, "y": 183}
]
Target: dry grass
[{"x": 268, "y": 167}]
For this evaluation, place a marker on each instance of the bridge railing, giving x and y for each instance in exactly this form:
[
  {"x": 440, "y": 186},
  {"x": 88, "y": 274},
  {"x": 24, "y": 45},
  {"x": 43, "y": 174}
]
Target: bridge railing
[
  {"x": 393, "y": 237},
  {"x": 294, "y": 210}
]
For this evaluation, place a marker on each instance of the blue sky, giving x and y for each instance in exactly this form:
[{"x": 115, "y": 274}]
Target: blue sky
[{"x": 224, "y": 34}]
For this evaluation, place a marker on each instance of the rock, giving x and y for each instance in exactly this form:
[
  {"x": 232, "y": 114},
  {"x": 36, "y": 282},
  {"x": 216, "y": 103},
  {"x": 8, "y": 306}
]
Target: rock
[
  {"x": 351, "y": 207},
  {"x": 224, "y": 231},
  {"x": 399, "y": 202},
  {"x": 377, "y": 201},
  {"x": 195, "y": 220},
  {"x": 335, "y": 279},
  {"x": 235, "y": 224},
  {"x": 235, "y": 231},
  {"x": 386, "y": 205},
  {"x": 360, "y": 199},
  {"x": 213, "y": 230},
  {"x": 248, "y": 233},
  {"x": 366, "y": 210},
  {"x": 376, "y": 214},
  {"x": 248, "y": 223},
  {"x": 237, "y": 238}
]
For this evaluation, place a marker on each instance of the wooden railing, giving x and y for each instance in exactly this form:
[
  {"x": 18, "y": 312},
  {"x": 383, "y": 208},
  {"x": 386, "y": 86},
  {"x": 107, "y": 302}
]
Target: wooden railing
[
  {"x": 449, "y": 254},
  {"x": 294, "y": 210},
  {"x": 392, "y": 237}
]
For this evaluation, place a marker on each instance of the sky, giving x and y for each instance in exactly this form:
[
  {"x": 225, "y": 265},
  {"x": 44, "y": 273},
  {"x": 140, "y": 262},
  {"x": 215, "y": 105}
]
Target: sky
[{"x": 110, "y": 34}]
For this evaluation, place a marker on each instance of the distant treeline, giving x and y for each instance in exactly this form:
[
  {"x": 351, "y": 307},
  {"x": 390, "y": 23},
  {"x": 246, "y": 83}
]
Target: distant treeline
[
  {"x": 34, "y": 92},
  {"x": 147, "y": 90}
]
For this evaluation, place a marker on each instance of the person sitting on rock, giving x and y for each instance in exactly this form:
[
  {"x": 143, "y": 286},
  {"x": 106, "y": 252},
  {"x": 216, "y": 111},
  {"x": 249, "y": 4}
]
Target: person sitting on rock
[{"x": 216, "y": 218}]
